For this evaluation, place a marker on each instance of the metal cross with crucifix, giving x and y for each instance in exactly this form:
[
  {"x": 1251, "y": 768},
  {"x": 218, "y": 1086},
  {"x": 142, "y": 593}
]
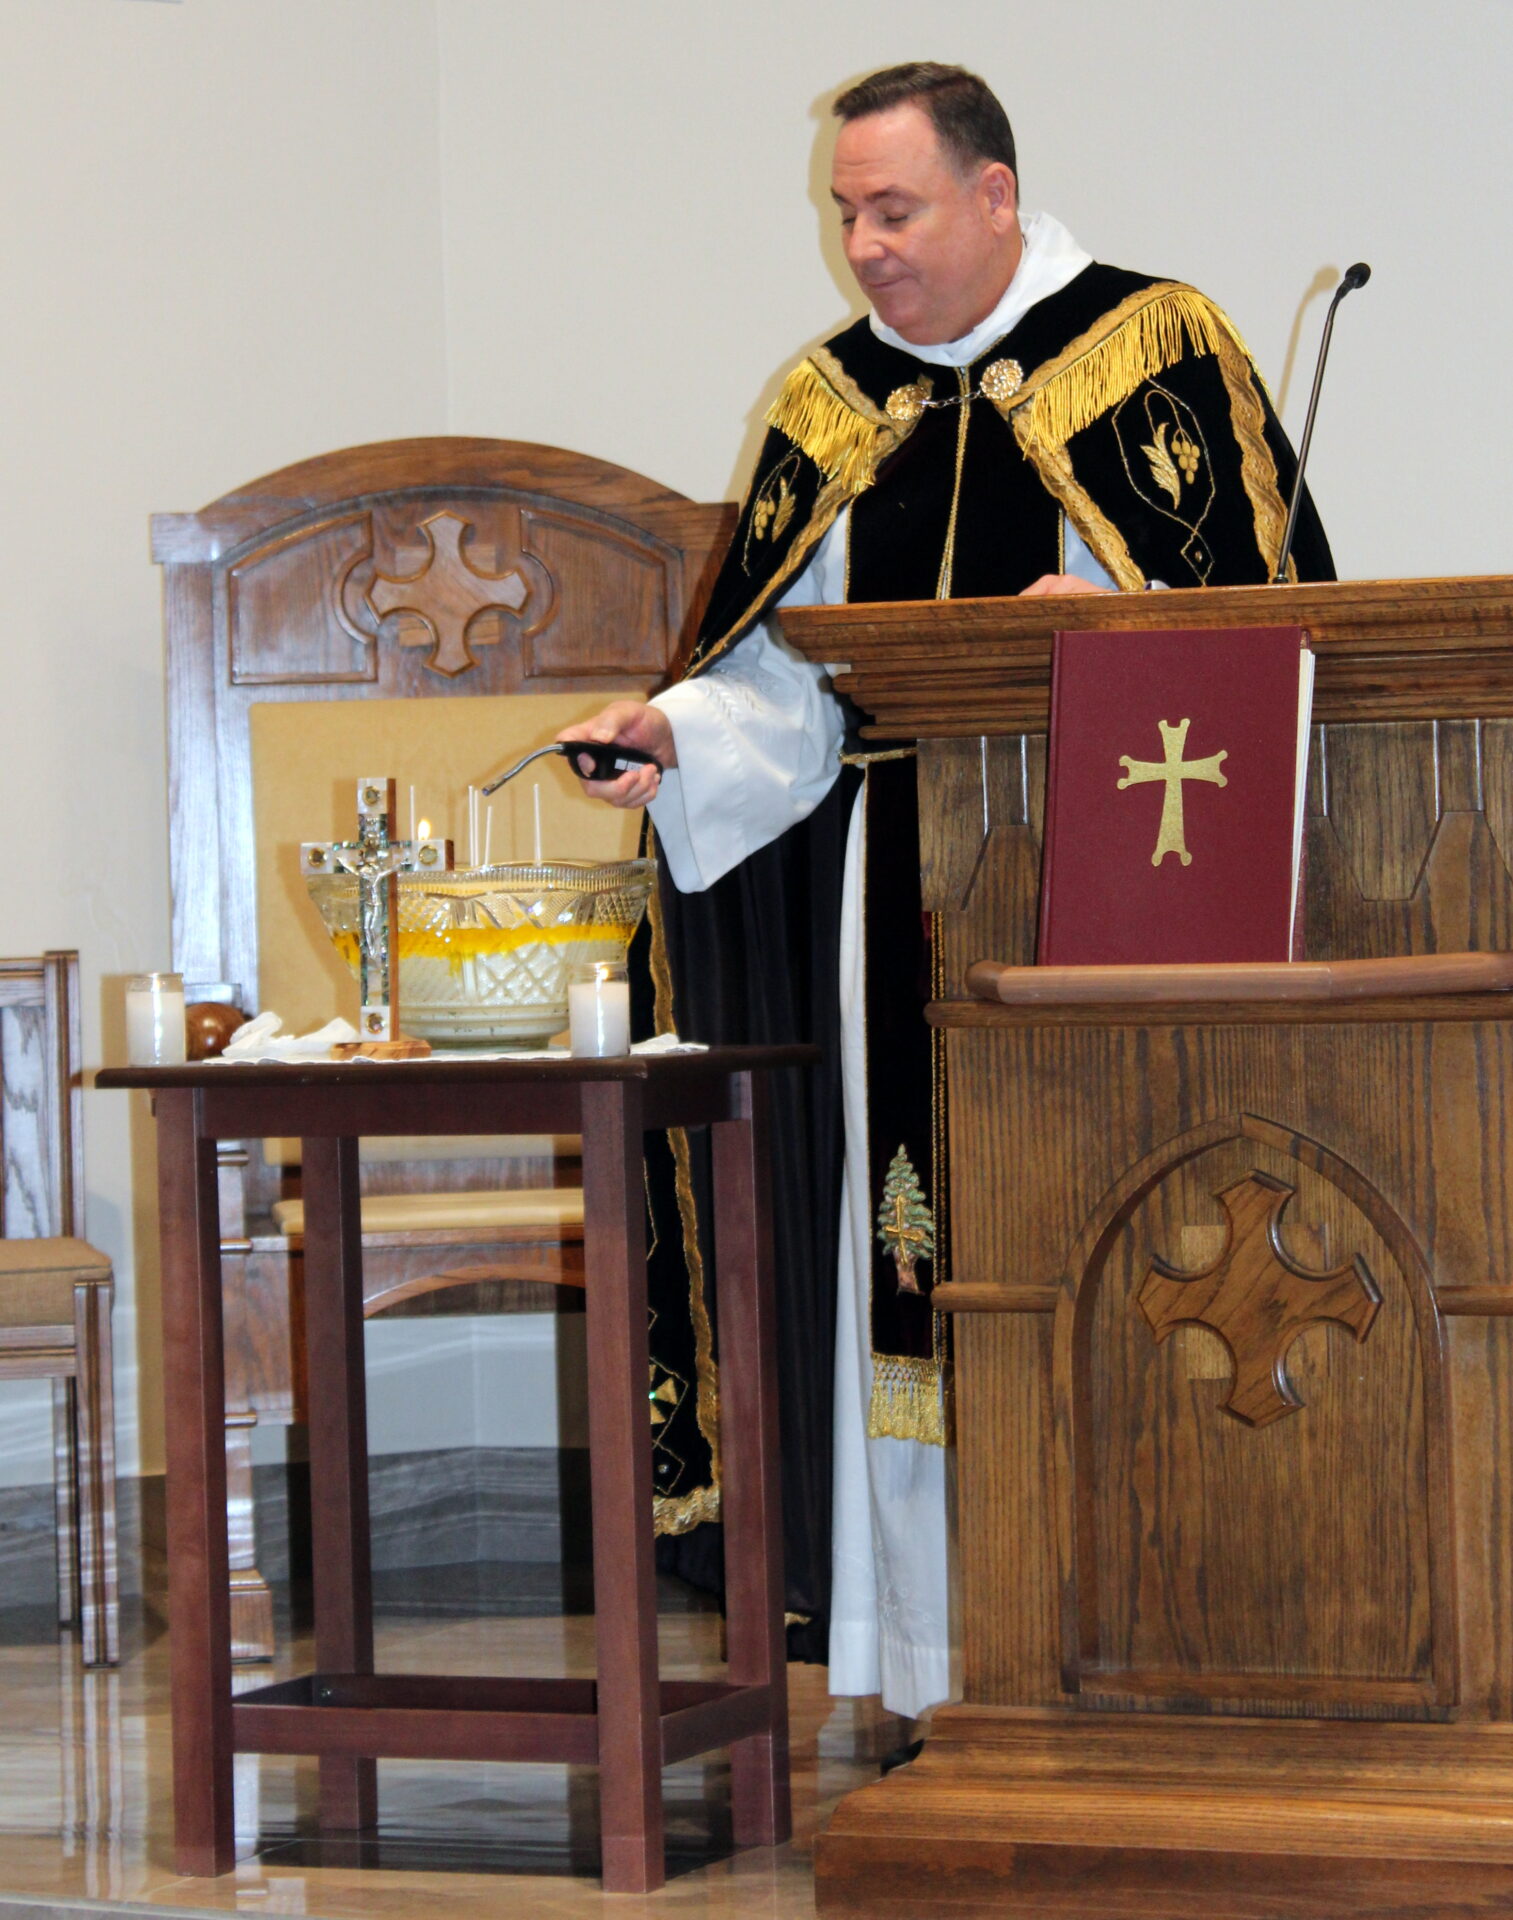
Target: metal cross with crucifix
[
  {"x": 1173, "y": 769},
  {"x": 377, "y": 859}
]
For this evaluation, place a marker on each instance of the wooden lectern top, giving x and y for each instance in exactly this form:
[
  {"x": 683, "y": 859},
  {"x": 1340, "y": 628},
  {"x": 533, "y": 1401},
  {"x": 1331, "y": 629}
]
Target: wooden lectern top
[{"x": 1387, "y": 649}]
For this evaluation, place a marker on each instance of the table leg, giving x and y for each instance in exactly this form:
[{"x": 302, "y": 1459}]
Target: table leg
[
  {"x": 194, "y": 1387},
  {"x": 341, "y": 1552},
  {"x": 625, "y": 1593},
  {"x": 750, "y": 1496}
]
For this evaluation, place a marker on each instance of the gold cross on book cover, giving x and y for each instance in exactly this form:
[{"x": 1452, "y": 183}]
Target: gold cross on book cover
[{"x": 1230, "y": 710}]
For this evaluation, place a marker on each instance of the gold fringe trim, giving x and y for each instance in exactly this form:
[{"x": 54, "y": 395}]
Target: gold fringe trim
[
  {"x": 827, "y": 416},
  {"x": 910, "y": 1400},
  {"x": 1141, "y": 338},
  {"x": 1138, "y": 340},
  {"x": 688, "y": 1511}
]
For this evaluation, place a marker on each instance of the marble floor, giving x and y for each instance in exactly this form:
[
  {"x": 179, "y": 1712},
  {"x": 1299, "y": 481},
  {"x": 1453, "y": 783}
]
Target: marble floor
[{"x": 85, "y": 1809}]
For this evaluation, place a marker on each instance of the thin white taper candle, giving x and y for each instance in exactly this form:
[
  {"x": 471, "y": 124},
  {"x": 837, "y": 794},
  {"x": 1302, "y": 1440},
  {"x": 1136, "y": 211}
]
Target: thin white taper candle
[{"x": 536, "y": 798}]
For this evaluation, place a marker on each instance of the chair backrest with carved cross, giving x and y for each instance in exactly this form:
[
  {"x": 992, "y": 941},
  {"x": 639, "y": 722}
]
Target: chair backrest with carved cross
[{"x": 426, "y": 608}]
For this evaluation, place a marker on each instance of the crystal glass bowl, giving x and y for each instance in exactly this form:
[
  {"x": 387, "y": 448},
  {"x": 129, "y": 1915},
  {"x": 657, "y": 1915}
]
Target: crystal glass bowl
[{"x": 484, "y": 954}]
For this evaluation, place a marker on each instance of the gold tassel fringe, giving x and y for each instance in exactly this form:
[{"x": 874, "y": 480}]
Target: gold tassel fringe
[
  {"x": 909, "y": 1401},
  {"x": 1155, "y": 336},
  {"x": 842, "y": 443}
]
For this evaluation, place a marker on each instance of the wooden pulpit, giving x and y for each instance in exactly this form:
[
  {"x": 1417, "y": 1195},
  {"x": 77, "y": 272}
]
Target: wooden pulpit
[{"x": 1236, "y": 1580}]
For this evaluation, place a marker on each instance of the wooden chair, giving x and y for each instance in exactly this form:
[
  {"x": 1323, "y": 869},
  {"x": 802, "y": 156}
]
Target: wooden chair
[
  {"x": 432, "y": 609},
  {"x": 56, "y": 1291}
]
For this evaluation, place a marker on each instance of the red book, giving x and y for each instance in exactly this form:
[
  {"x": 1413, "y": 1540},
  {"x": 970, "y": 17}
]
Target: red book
[{"x": 1174, "y": 796}]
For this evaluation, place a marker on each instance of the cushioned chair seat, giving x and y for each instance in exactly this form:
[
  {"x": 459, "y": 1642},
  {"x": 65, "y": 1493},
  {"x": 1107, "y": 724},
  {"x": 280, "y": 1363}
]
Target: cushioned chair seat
[
  {"x": 37, "y": 1280},
  {"x": 547, "y": 1210}
]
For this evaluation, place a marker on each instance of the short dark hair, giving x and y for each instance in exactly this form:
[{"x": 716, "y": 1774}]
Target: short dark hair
[{"x": 969, "y": 122}]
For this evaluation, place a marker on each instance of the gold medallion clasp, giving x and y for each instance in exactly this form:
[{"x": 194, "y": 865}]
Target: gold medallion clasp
[
  {"x": 906, "y": 404},
  {"x": 1002, "y": 380}
]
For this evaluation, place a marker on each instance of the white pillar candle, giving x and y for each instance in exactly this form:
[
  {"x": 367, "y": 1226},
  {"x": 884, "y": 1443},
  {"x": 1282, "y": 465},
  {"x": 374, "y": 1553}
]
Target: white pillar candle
[
  {"x": 155, "y": 1020},
  {"x": 598, "y": 1010}
]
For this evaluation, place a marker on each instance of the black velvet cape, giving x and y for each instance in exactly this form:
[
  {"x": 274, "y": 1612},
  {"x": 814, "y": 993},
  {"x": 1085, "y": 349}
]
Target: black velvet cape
[{"x": 1124, "y": 406}]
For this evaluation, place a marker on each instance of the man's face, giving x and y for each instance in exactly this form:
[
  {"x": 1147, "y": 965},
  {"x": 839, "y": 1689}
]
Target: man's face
[{"x": 932, "y": 249}]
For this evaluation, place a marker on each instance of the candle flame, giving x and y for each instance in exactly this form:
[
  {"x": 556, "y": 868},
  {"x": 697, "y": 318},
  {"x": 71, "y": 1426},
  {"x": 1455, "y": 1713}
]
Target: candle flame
[{"x": 423, "y": 830}]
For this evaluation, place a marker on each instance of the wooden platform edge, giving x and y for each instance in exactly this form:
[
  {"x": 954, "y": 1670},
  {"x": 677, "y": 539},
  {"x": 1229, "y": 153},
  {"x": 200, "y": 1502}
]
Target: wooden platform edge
[{"x": 1130, "y": 1814}]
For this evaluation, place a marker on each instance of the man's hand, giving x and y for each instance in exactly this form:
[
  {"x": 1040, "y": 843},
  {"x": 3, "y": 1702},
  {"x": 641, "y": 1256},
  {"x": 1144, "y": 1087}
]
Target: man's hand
[
  {"x": 1062, "y": 583},
  {"x": 628, "y": 723}
]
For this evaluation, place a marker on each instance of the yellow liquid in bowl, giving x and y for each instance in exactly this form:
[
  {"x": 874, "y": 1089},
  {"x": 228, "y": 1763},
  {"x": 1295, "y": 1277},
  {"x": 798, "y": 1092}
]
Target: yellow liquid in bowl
[{"x": 458, "y": 945}]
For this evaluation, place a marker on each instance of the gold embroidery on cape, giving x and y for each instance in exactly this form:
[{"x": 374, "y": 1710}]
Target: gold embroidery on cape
[
  {"x": 827, "y": 416},
  {"x": 832, "y": 497},
  {"x": 910, "y": 1397},
  {"x": 778, "y": 510},
  {"x": 773, "y": 505},
  {"x": 1098, "y": 370},
  {"x": 1143, "y": 336},
  {"x": 905, "y": 1224},
  {"x": 948, "y": 557},
  {"x": 1163, "y": 467},
  {"x": 682, "y": 1513},
  {"x": 664, "y": 1392},
  {"x": 818, "y": 392},
  {"x": 1258, "y": 468},
  {"x": 687, "y": 1511},
  {"x": 1100, "y": 536},
  {"x": 1175, "y": 471}
]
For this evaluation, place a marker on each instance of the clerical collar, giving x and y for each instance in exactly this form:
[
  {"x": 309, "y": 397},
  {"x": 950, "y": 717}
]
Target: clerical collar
[{"x": 1051, "y": 259}]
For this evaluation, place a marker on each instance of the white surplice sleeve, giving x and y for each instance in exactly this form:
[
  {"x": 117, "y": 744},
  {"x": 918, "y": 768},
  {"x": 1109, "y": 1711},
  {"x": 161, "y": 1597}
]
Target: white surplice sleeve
[{"x": 758, "y": 739}]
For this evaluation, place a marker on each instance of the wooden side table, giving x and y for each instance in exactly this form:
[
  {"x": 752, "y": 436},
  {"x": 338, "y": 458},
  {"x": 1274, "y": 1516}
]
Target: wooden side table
[{"x": 628, "y": 1721}]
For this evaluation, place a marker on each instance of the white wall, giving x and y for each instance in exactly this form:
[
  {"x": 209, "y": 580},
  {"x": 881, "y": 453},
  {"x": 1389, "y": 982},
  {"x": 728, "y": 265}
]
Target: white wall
[
  {"x": 635, "y": 216},
  {"x": 238, "y": 232},
  {"x": 219, "y": 250}
]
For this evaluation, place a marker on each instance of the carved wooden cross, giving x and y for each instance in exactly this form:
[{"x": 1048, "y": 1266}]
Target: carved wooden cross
[
  {"x": 447, "y": 593},
  {"x": 1257, "y": 1300},
  {"x": 1173, "y": 769}
]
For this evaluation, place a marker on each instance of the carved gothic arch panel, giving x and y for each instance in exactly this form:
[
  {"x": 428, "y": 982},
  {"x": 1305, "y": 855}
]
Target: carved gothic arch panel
[{"x": 1238, "y": 1305}]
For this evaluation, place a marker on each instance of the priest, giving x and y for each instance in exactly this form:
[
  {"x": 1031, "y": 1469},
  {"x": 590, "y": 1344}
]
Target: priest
[{"x": 1011, "y": 417}]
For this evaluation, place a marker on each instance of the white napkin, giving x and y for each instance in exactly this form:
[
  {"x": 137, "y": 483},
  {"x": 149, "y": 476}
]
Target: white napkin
[
  {"x": 661, "y": 1043},
  {"x": 264, "y": 1039}
]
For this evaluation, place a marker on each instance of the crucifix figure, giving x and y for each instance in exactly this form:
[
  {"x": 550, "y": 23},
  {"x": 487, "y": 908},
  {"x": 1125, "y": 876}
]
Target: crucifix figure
[
  {"x": 377, "y": 859},
  {"x": 1173, "y": 769}
]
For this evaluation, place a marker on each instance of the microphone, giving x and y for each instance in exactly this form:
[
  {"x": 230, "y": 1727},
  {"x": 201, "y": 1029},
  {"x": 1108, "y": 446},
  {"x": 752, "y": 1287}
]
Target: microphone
[{"x": 1353, "y": 277}]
